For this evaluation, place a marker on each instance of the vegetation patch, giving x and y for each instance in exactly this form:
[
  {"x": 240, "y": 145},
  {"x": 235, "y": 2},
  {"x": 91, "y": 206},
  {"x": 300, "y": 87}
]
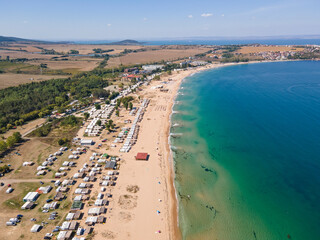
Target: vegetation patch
[{"x": 16, "y": 201}]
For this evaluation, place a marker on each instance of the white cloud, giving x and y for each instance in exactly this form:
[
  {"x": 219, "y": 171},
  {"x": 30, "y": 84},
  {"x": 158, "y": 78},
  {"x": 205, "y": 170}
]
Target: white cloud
[
  {"x": 109, "y": 24},
  {"x": 25, "y": 21},
  {"x": 222, "y": 15},
  {"x": 206, "y": 14},
  {"x": 190, "y": 16},
  {"x": 145, "y": 19}
]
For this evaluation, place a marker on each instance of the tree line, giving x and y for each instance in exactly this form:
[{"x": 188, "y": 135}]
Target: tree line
[
  {"x": 30, "y": 101},
  {"x": 10, "y": 142}
]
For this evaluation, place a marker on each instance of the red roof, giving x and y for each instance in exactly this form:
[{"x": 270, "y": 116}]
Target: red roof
[{"x": 142, "y": 156}]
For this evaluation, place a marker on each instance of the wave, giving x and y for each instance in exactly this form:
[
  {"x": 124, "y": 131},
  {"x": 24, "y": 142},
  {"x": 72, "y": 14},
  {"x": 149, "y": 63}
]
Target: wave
[{"x": 176, "y": 134}]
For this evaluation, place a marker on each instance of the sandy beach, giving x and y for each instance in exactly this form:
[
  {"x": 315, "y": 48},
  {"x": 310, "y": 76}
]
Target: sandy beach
[{"x": 151, "y": 211}]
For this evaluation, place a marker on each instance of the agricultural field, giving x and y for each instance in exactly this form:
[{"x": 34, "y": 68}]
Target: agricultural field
[
  {"x": 151, "y": 56},
  {"x": 14, "y": 79},
  {"x": 251, "y": 49}
]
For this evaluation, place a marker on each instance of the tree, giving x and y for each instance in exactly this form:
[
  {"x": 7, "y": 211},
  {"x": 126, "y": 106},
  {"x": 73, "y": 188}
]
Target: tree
[
  {"x": 11, "y": 141},
  {"x": 125, "y": 104},
  {"x": 133, "y": 80},
  {"x": 99, "y": 122},
  {"x": 111, "y": 124},
  {"x": 3, "y": 146},
  {"x": 117, "y": 113},
  {"x": 130, "y": 105},
  {"x": 9, "y": 126},
  {"x": 62, "y": 141},
  {"x": 73, "y": 52},
  {"x": 41, "y": 115},
  {"x": 98, "y": 106},
  {"x": 107, "y": 101},
  {"x": 100, "y": 93},
  {"x": 17, "y": 137},
  {"x": 4, "y": 169},
  {"x": 86, "y": 115},
  {"x": 59, "y": 100},
  {"x": 43, "y": 65},
  {"x": 157, "y": 77}
]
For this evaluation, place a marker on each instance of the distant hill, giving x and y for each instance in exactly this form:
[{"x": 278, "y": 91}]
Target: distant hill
[
  {"x": 126, "y": 42},
  {"x": 4, "y": 39}
]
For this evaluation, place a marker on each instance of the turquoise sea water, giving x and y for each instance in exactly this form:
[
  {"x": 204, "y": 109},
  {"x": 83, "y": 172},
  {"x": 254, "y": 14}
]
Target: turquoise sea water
[{"x": 246, "y": 145}]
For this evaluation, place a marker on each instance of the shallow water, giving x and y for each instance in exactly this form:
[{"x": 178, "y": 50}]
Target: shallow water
[{"x": 247, "y": 156}]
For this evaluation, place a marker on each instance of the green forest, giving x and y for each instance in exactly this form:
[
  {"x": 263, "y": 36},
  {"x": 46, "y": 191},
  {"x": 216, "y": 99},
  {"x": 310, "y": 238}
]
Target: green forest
[{"x": 30, "y": 101}]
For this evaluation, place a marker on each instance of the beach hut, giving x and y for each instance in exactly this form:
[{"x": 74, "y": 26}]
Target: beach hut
[
  {"x": 142, "y": 156},
  {"x": 70, "y": 216},
  {"x": 91, "y": 220}
]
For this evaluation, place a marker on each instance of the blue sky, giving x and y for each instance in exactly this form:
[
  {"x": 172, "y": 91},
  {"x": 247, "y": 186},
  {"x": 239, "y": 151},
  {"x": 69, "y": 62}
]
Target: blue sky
[{"x": 141, "y": 19}]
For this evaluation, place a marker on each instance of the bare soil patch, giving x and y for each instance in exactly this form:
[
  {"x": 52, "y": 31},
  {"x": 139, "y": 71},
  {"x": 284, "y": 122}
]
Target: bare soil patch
[
  {"x": 132, "y": 188},
  {"x": 127, "y": 201}
]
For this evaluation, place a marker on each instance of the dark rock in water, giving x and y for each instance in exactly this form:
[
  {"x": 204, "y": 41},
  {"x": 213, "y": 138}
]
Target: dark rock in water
[
  {"x": 208, "y": 169},
  {"x": 210, "y": 207},
  {"x": 254, "y": 234}
]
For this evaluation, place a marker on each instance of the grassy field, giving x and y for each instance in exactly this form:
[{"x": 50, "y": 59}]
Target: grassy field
[{"x": 21, "y": 190}]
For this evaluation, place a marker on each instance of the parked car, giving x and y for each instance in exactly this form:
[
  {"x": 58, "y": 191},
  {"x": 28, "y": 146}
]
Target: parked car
[
  {"x": 49, "y": 200},
  {"x": 19, "y": 216},
  {"x": 45, "y": 211},
  {"x": 41, "y": 182}
]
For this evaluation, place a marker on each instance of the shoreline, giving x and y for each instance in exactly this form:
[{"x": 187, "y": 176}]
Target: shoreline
[{"x": 176, "y": 233}]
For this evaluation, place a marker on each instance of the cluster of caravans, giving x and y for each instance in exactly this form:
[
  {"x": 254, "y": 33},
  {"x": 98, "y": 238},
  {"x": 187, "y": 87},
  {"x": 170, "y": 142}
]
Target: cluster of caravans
[
  {"x": 103, "y": 114},
  {"x": 98, "y": 114},
  {"x": 95, "y": 214},
  {"x": 31, "y": 197},
  {"x": 134, "y": 130},
  {"x": 42, "y": 170}
]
